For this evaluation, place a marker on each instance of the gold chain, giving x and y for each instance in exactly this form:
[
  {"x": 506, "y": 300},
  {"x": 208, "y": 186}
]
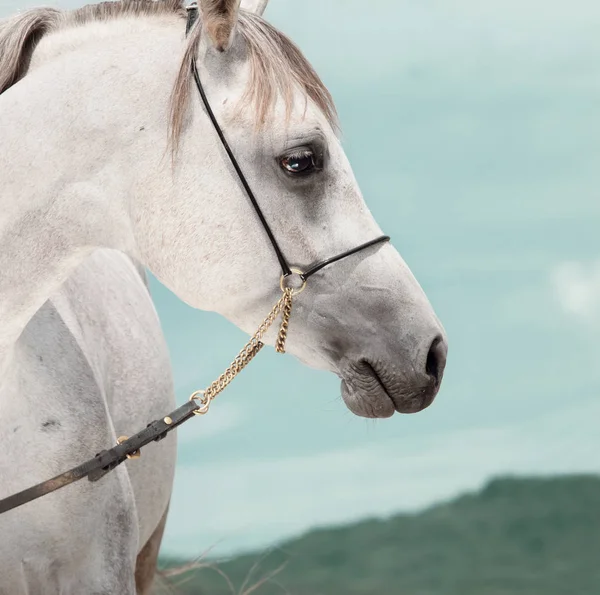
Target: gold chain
[
  {"x": 285, "y": 320},
  {"x": 249, "y": 351}
]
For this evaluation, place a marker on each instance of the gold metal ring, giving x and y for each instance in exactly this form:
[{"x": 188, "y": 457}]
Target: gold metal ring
[
  {"x": 294, "y": 291},
  {"x": 200, "y": 396}
]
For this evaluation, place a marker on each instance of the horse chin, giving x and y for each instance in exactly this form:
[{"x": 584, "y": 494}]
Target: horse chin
[
  {"x": 372, "y": 404},
  {"x": 372, "y": 393}
]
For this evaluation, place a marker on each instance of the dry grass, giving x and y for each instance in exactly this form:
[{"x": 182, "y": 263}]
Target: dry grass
[{"x": 169, "y": 580}]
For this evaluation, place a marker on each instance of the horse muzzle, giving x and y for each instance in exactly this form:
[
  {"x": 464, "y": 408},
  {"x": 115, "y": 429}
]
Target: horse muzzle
[{"x": 376, "y": 389}]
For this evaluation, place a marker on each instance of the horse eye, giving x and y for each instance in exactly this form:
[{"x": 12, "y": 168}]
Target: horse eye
[{"x": 303, "y": 162}]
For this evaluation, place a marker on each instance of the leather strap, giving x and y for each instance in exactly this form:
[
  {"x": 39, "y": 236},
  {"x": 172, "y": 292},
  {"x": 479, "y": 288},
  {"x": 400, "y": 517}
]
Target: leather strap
[
  {"x": 320, "y": 265},
  {"x": 192, "y": 17},
  {"x": 105, "y": 461},
  {"x": 285, "y": 267}
]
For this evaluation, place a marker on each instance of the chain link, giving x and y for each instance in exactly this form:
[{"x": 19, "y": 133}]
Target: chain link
[
  {"x": 285, "y": 320},
  {"x": 249, "y": 352}
]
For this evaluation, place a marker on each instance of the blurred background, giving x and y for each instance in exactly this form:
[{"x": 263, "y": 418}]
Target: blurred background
[{"x": 474, "y": 131}]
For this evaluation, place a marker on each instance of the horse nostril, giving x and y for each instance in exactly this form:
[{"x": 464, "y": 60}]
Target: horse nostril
[{"x": 436, "y": 359}]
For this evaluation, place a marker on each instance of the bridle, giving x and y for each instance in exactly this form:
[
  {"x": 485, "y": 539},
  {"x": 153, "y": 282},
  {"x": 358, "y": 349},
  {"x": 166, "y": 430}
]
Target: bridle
[
  {"x": 199, "y": 402},
  {"x": 285, "y": 267}
]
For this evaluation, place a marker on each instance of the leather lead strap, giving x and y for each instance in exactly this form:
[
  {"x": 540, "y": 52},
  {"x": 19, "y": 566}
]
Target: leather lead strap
[{"x": 105, "y": 461}]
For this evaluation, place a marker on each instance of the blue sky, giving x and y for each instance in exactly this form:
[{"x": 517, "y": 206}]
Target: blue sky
[{"x": 473, "y": 128}]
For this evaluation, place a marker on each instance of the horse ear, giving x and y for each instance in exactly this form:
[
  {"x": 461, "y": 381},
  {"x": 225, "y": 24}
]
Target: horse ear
[
  {"x": 255, "y": 6},
  {"x": 219, "y": 18}
]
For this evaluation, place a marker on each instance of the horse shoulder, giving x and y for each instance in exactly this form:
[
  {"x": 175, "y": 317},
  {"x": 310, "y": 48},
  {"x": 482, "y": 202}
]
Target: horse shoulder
[{"x": 91, "y": 365}]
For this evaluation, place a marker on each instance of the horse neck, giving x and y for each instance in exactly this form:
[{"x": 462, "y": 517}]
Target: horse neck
[{"x": 72, "y": 130}]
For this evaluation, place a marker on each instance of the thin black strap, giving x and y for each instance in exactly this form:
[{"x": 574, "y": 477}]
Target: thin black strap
[
  {"x": 106, "y": 461},
  {"x": 285, "y": 267},
  {"x": 192, "y": 12},
  {"x": 317, "y": 267}
]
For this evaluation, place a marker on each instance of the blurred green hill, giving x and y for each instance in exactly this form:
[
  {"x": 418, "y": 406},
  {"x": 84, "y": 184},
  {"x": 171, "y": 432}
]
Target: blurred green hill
[{"x": 514, "y": 537}]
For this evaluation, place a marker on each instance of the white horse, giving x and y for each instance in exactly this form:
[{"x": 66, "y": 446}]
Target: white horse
[{"x": 107, "y": 159}]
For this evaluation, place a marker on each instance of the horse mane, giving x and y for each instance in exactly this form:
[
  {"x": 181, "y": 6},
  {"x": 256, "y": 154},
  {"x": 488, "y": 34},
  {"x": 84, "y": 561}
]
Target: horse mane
[
  {"x": 18, "y": 37},
  {"x": 277, "y": 66}
]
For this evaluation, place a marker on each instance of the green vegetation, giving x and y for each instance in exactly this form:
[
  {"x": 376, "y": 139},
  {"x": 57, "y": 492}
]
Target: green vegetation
[{"x": 515, "y": 537}]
